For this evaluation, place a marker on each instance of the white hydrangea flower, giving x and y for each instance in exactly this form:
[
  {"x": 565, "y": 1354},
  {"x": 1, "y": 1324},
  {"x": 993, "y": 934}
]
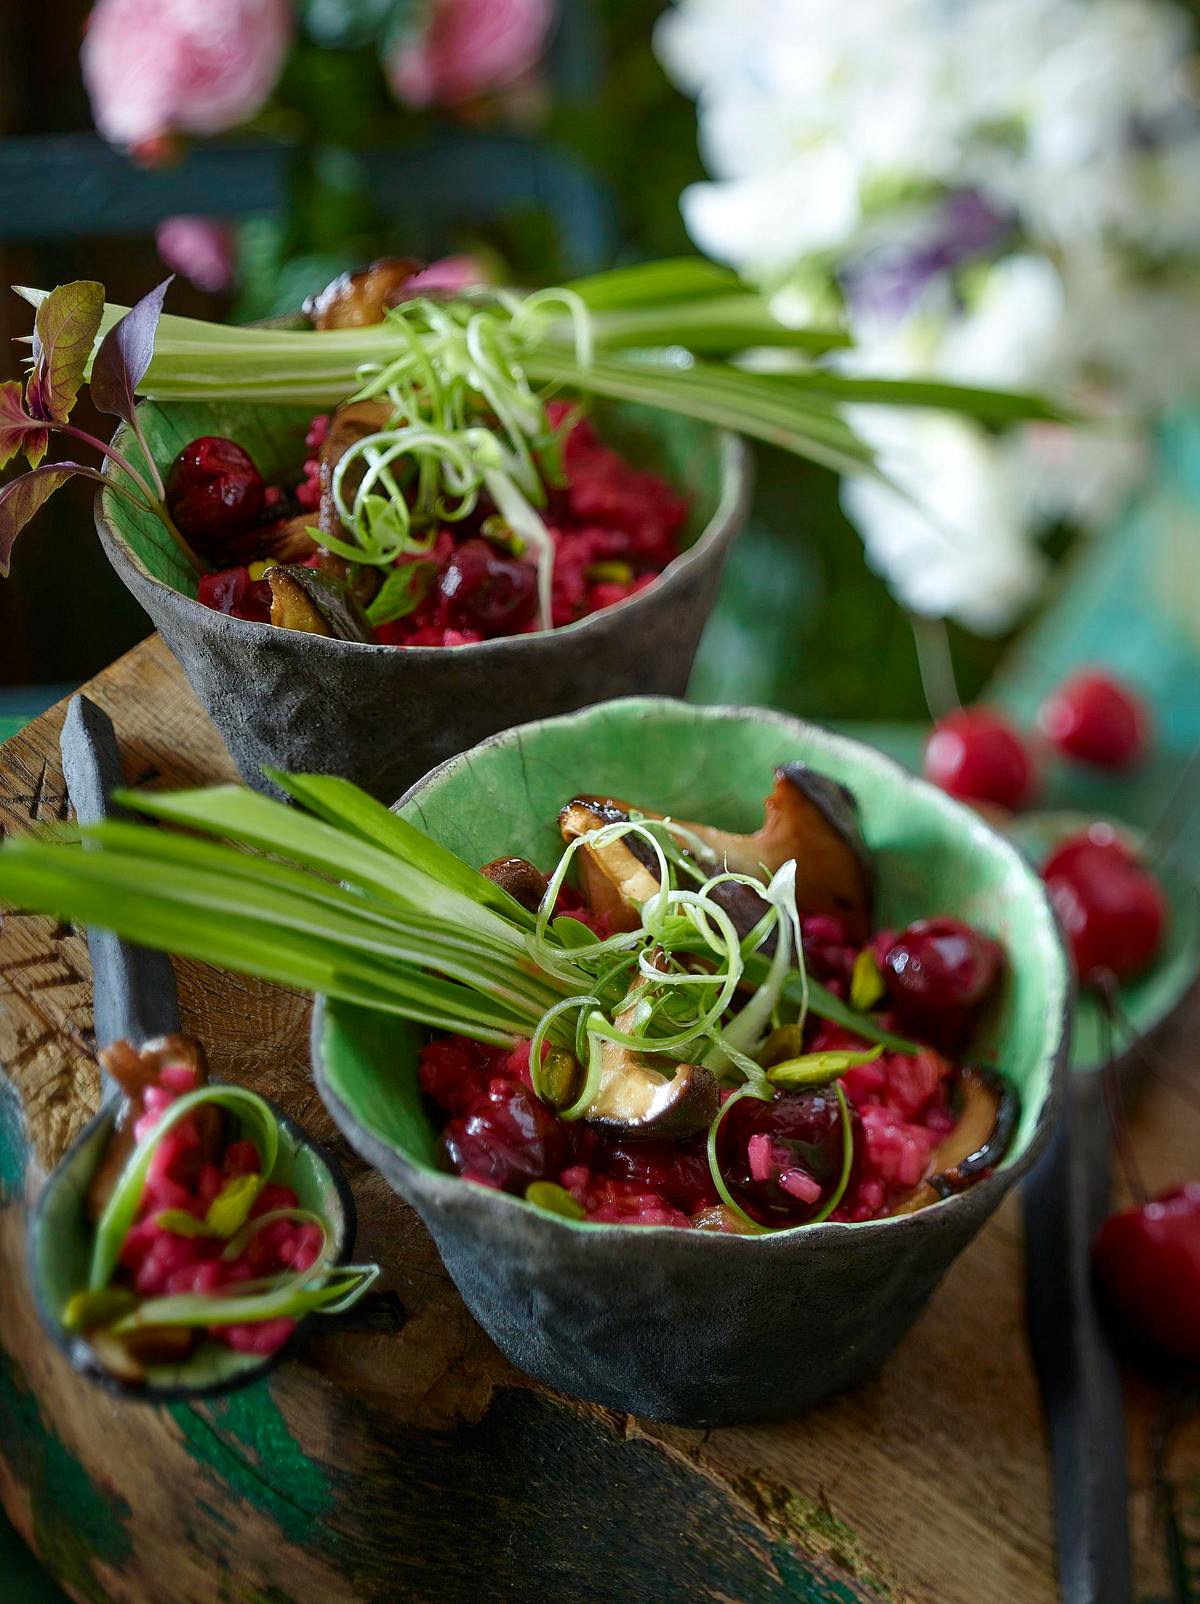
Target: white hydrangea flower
[
  {"x": 949, "y": 539},
  {"x": 1007, "y": 192}
]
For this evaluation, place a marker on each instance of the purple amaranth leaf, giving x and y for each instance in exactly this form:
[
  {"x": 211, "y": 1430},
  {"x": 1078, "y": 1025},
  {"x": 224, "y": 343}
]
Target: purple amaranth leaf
[
  {"x": 18, "y": 431},
  {"x": 22, "y": 499},
  {"x": 124, "y": 356},
  {"x": 64, "y": 332}
]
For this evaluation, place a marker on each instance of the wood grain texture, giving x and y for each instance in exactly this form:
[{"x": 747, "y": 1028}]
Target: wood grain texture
[{"x": 402, "y": 1458}]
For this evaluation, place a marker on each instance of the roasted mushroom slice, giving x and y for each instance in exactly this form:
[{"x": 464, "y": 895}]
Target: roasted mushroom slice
[
  {"x": 315, "y": 603},
  {"x": 814, "y": 820},
  {"x": 808, "y": 818},
  {"x": 351, "y": 422},
  {"x": 980, "y": 1139},
  {"x": 358, "y": 300},
  {"x": 638, "y": 1100},
  {"x": 618, "y": 877},
  {"x": 519, "y": 878}
]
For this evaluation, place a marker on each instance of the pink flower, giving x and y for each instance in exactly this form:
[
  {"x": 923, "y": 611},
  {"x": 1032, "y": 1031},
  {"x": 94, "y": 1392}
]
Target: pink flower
[
  {"x": 201, "y": 248},
  {"x": 450, "y": 275},
  {"x": 197, "y": 66},
  {"x": 468, "y": 48}
]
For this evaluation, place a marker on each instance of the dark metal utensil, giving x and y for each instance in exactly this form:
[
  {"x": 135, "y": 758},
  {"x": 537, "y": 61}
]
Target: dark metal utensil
[
  {"x": 135, "y": 994},
  {"x": 1065, "y": 1200}
]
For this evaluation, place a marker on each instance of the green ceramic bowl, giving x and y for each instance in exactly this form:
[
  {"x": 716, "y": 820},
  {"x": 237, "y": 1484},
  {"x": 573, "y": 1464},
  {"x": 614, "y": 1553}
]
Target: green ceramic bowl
[
  {"x": 382, "y": 717},
  {"x": 692, "y": 1327},
  {"x": 60, "y": 1247},
  {"x": 1150, "y": 1000}
]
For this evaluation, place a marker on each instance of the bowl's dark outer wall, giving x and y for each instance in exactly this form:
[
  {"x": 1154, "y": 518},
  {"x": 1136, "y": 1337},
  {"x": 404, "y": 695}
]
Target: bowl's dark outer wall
[
  {"x": 383, "y": 717},
  {"x": 700, "y": 1329}
]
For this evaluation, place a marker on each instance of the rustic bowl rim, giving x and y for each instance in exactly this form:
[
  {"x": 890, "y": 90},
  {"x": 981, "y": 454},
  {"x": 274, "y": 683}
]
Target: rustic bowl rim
[
  {"x": 452, "y": 1192},
  {"x": 733, "y": 500}
]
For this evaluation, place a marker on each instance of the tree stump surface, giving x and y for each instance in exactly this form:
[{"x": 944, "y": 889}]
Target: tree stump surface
[{"x": 404, "y": 1458}]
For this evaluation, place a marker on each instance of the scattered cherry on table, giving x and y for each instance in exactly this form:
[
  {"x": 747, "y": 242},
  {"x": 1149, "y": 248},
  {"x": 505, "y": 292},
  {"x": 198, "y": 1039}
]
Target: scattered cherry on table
[
  {"x": 1111, "y": 908},
  {"x": 1147, "y": 1262},
  {"x": 977, "y": 755},
  {"x": 1093, "y": 718}
]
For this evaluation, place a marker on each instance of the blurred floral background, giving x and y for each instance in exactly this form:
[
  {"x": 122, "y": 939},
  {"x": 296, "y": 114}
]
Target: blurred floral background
[{"x": 1003, "y": 192}]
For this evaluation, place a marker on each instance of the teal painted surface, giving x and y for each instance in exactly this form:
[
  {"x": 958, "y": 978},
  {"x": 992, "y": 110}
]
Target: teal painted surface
[
  {"x": 20, "y": 703},
  {"x": 232, "y": 1437},
  {"x": 74, "y": 1524}
]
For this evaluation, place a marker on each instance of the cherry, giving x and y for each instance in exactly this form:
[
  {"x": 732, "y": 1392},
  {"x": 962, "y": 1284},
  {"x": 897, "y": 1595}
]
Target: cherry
[
  {"x": 455, "y": 1072},
  {"x": 483, "y": 590},
  {"x": 978, "y": 756},
  {"x": 937, "y": 973},
  {"x": 1095, "y": 719},
  {"x": 215, "y": 495},
  {"x": 676, "y": 1171},
  {"x": 783, "y": 1159},
  {"x": 507, "y": 1138},
  {"x": 1111, "y": 909},
  {"x": 232, "y": 591},
  {"x": 1147, "y": 1260}
]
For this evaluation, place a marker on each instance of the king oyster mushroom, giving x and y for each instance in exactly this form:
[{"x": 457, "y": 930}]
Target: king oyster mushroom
[
  {"x": 312, "y": 601},
  {"x": 807, "y": 817}
]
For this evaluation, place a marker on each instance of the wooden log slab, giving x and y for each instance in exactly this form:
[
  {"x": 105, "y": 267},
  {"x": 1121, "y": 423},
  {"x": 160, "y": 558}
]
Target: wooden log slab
[{"x": 399, "y": 1456}]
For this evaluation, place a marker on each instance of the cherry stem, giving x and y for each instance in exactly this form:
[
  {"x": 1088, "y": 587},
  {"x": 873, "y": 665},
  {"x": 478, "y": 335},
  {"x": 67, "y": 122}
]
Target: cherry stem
[
  {"x": 935, "y": 665},
  {"x": 1113, "y": 1100},
  {"x": 1163, "y": 835}
]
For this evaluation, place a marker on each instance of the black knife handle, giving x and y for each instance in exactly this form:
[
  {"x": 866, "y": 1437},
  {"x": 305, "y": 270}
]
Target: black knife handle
[
  {"x": 135, "y": 994},
  {"x": 1066, "y": 1198}
]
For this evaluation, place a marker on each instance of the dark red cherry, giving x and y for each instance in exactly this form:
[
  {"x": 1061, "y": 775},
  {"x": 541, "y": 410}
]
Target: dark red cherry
[
  {"x": 232, "y": 591},
  {"x": 677, "y": 1171},
  {"x": 507, "y": 1139},
  {"x": 1095, "y": 719},
  {"x": 782, "y": 1160},
  {"x": 481, "y": 589},
  {"x": 1111, "y": 909},
  {"x": 938, "y": 972},
  {"x": 1147, "y": 1260},
  {"x": 215, "y": 495},
  {"x": 978, "y": 756}
]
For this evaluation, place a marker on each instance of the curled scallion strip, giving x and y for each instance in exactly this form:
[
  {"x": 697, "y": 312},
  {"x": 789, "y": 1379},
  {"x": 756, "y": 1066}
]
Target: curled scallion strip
[{"x": 121, "y": 1209}]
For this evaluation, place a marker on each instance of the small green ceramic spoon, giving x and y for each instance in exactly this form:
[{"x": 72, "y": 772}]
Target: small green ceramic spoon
[{"x": 135, "y": 1000}]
